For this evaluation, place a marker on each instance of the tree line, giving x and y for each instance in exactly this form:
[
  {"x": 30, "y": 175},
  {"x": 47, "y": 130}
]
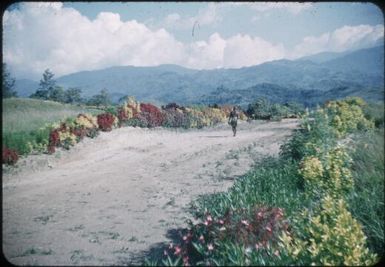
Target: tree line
[{"x": 49, "y": 90}]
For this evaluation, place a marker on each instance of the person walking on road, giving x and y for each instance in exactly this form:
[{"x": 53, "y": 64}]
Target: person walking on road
[{"x": 233, "y": 120}]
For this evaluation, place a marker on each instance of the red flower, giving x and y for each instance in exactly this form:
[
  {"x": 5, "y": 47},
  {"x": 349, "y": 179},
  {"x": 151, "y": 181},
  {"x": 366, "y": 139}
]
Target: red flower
[
  {"x": 151, "y": 115},
  {"x": 9, "y": 156},
  {"x": 105, "y": 121}
]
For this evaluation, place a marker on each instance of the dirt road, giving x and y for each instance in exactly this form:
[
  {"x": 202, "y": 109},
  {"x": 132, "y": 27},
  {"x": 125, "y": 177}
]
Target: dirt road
[{"x": 109, "y": 198}]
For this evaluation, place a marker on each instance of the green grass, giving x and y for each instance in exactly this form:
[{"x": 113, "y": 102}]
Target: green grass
[
  {"x": 24, "y": 114},
  {"x": 273, "y": 183},
  {"x": 367, "y": 200},
  {"x": 24, "y": 122}
]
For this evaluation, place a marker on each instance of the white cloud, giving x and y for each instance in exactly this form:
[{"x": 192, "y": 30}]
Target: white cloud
[
  {"x": 42, "y": 35},
  {"x": 37, "y": 37},
  {"x": 341, "y": 39},
  {"x": 206, "y": 55},
  {"x": 244, "y": 50},
  {"x": 292, "y": 7}
]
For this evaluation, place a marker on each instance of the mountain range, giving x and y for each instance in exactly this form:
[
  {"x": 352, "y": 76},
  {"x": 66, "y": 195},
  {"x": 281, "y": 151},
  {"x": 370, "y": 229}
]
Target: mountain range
[{"x": 309, "y": 80}]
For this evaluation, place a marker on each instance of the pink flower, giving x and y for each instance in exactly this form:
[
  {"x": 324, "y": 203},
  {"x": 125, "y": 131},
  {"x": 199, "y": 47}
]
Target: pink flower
[
  {"x": 260, "y": 215},
  {"x": 276, "y": 253},
  {"x": 245, "y": 222},
  {"x": 185, "y": 261},
  {"x": 221, "y": 221},
  {"x": 209, "y": 219},
  {"x": 184, "y": 238},
  {"x": 201, "y": 238},
  {"x": 268, "y": 229},
  {"x": 206, "y": 223},
  {"x": 210, "y": 247},
  {"x": 177, "y": 250}
]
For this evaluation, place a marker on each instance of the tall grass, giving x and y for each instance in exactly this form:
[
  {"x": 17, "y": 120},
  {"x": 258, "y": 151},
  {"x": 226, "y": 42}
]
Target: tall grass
[
  {"x": 367, "y": 200},
  {"x": 274, "y": 182},
  {"x": 24, "y": 122},
  {"x": 25, "y": 115}
]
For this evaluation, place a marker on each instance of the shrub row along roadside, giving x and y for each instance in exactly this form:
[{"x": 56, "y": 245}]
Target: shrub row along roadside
[
  {"x": 298, "y": 209},
  {"x": 132, "y": 113}
]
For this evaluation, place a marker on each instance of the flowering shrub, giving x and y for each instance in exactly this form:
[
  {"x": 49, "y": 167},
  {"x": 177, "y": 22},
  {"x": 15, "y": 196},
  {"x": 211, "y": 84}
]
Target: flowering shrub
[
  {"x": 106, "y": 121},
  {"x": 67, "y": 138},
  {"x": 347, "y": 115},
  {"x": 332, "y": 175},
  {"x": 150, "y": 115},
  {"x": 86, "y": 121},
  {"x": 331, "y": 236},
  {"x": 54, "y": 140},
  {"x": 10, "y": 156},
  {"x": 175, "y": 118},
  {"x": 64, "y": 136},
  {"x": 257, "y": 230}
]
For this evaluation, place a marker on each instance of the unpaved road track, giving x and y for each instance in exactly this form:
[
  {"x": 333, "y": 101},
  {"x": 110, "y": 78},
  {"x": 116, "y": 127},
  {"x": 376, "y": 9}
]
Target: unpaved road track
[{"x": 109, "y": 198}]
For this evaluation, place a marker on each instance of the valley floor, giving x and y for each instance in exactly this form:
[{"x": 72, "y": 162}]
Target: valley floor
[{"x": 108, "y": 199}]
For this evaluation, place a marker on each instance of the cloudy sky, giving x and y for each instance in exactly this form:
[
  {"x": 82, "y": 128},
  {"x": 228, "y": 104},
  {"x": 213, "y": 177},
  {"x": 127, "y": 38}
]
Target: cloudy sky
[{"x": 69, "y": 37}]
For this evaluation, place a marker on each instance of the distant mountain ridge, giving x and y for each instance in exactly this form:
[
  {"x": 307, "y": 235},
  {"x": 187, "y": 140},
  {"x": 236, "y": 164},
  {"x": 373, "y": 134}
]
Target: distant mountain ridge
[{"x": 356, "y": 72}]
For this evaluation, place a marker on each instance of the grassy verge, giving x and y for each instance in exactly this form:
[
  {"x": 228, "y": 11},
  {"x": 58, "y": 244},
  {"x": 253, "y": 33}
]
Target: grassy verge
[
  {"x": 367, "y": 200},
  {"x": 25, "y": 122}
]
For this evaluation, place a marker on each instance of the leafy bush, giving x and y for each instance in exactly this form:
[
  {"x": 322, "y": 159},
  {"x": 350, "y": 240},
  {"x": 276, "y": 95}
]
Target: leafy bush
[
  {"x": 328, "y": 236},
  {"x": 54, "y": 141},
  {"x": 263, "y": 109},
  {"x": 175, "y": 118},
  {"x": 347, "y": 115},
  {"x": 375, "y": 112},
  {"x": 10, "y": 156},
  {"x": 331, "y": 176},
  {"x": 258, "y": 229},
  {"x": 314, "y": 137},
  {"x": 106, "y": 121},
  {"x": 150, "y": 115}
]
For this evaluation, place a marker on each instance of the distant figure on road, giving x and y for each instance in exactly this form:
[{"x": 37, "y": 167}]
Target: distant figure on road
[{"x": 233, "y": 119}]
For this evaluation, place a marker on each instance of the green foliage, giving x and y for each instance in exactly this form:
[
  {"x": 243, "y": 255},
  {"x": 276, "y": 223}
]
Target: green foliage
[
  {"x": 320, "y": 187},
  {"x": 330, "y": 174},
  {"x": 46, "y": 86},
  {"x": 273, "y": 182},
  {"x": 8, "y": 84},
  {"x": 48, "y": 90},
  {"x": 72, "y": 95},
  {"x": 328, "y": 235},
  {"x": 57, "y": 94},
  {"x": 368, "y": 174},
  {"x": 375, "y": 112},
  {"x": 27, "y": 122},
  {"x": 263, "y": 109},
  {"x": 347, "y": 115},
  {"x": 101, "y": 99},
  {"x": 312, "y": 138}
]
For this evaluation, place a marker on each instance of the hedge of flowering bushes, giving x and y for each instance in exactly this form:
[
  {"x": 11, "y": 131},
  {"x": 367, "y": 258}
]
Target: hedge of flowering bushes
[
  {"x": 70, "y": 132},
  {"x": 132, "y": 113},
  {"x": 293, "y": 210}
]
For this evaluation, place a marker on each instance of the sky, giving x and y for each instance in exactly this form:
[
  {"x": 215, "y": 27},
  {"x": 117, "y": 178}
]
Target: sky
[{"x": 77, "y": 36}]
